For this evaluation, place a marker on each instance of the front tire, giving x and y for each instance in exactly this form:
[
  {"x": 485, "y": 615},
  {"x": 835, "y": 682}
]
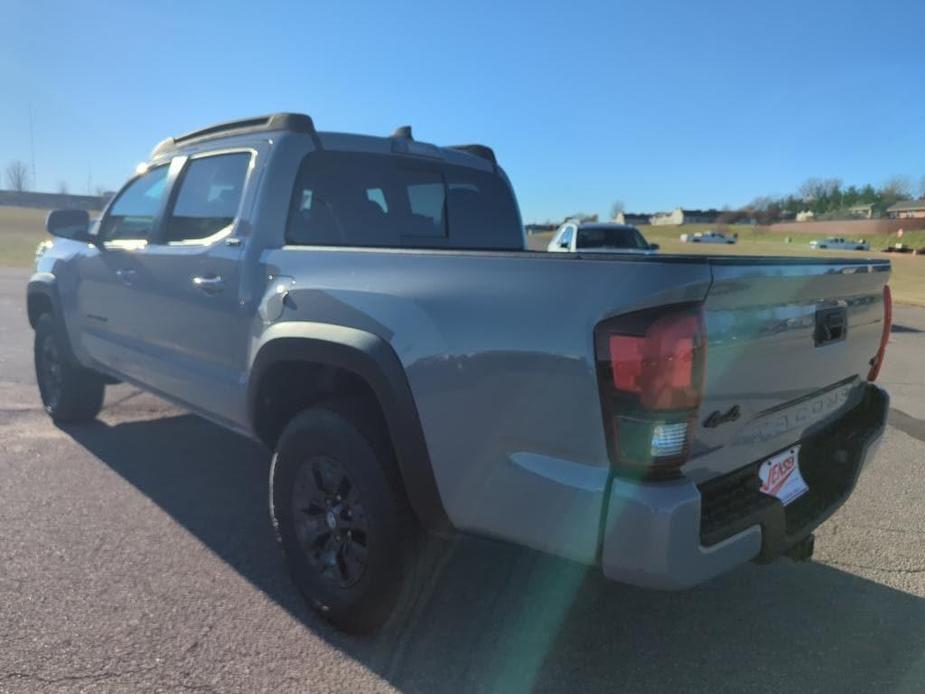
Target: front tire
[
  {"x": 341, "y": 519},
  {"x": 70, "y": 392}
]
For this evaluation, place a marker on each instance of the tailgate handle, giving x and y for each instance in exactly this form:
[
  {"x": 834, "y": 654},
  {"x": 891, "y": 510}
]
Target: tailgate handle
[{"x": 831, "y": 325}]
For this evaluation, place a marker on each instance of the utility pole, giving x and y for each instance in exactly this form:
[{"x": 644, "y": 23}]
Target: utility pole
[{"x": 32, "y": 147}]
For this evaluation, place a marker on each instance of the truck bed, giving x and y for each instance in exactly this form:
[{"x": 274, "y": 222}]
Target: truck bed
[{"x": 499, "y": 352}]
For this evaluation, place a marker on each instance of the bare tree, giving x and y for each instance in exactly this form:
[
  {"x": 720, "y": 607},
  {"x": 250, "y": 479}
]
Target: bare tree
[
  {"x": 761, "y": 203},
  {"x": 62, "y": 188},
  {"x": 895, "y": 189},
  {"x": 617, "y": 208},
  {"x": 813, "y": 188},
  {"x": 922, "y": 187},
  {"x": 17, "y": 176},
  {"x": 809, "y": 188}
]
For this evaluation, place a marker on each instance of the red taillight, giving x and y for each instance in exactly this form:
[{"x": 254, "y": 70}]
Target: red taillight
[
  {"x": 877, "y": 361},
  {"x": 663, "y": 366},
  {"x": 651, "y": 368}
]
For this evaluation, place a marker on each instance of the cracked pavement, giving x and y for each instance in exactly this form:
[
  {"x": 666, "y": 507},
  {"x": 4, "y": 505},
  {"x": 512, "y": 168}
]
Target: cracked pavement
[{"x": 136, "y": 556}]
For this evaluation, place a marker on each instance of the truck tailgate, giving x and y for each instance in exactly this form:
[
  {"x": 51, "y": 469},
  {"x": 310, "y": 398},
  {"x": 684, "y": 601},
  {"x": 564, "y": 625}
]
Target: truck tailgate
[{"x": 788, "y": 343}]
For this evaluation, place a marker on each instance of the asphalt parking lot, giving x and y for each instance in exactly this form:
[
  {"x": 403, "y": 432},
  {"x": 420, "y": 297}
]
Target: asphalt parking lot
[{"x": 136, "y": 555}]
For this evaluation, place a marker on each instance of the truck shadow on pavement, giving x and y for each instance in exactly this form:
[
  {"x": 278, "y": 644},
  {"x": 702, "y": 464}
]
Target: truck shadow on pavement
[{"x": 501, "y": 618}]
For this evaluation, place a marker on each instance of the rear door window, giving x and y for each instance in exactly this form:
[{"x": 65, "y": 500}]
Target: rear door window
[{"x": 210, "y": 191}]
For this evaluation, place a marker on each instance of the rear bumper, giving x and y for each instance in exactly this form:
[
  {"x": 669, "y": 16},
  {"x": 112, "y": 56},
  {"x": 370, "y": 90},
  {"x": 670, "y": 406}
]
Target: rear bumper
[{"x": 675, "y": 535}]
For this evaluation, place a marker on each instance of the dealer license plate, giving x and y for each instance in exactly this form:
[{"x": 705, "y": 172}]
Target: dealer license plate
[{"x": 781, "y": 478}]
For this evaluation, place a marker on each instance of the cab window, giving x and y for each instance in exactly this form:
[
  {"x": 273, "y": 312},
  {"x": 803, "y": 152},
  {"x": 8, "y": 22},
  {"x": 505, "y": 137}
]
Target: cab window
[
  {"x": 132, "y": 215},
  {"x": 209, "y": 195}
]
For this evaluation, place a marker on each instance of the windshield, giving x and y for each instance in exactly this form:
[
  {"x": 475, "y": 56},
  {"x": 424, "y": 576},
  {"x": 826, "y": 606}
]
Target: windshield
[{"x": 611, "y": 237}]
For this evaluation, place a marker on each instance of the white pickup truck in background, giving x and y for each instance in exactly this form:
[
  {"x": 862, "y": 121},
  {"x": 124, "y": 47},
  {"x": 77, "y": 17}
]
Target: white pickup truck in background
[{"x": 574, "y": 237}]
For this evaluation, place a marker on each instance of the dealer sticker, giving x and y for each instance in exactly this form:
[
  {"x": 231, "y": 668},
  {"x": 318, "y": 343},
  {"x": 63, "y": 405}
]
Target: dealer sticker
[{"x": 780, "y": 476}]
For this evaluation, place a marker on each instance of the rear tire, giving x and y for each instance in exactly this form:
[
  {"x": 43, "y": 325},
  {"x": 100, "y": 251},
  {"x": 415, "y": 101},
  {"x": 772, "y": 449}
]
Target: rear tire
[
  {"x": 341, "y": 519},
  {"x": 70, "y": 392}
]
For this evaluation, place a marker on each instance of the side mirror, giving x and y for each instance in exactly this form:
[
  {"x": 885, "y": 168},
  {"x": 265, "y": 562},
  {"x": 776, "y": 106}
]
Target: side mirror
[
  {"x": 69, "y": 224},
  {"x": 563, "y": 244},
  {"x": 653, "y": 246}
]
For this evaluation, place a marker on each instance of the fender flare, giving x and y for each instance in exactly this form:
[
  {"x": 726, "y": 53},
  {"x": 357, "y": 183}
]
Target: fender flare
[
  {"x": 44, "y": 286},
  {"x": 372, "y": 359}
]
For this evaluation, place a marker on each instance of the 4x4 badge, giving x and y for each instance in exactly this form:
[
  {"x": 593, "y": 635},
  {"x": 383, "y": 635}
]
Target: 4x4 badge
[{"x": 717, "y": 418}]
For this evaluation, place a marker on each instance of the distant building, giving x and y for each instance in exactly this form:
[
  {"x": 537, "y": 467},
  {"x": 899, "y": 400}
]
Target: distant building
[
  {"x": 907, "y": 209},
  {"x": 632, "y": 218},
  {"x": 701, "y": 216},
  {"x": 806, "y": 216},
  {"x": 674, "y": 217},
  {"x": 584, "y": 219},
  {"x": 680, "y": 216},
  {"x": 539, "y": 228},
  {"x": 861, "y": 211}
]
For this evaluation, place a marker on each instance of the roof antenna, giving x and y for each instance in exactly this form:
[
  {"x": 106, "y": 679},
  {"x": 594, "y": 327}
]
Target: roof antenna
[{"x": 403, "y": 132}]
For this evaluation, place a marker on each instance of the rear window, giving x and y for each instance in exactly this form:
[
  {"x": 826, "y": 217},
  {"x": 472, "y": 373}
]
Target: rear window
[
  {"x": 360, "y": 199},
  {"x": 482, "y": 210},
  {"x": 611, "y": 237}
]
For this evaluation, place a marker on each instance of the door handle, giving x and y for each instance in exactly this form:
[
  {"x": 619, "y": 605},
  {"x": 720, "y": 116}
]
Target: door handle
[
  {"x": 211, "y": 284},
  {"x": 126, "y": 276}
]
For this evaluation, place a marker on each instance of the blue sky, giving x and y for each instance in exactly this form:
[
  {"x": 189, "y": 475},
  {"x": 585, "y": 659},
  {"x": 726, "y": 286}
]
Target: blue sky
[{"x": 656, "y": 103}]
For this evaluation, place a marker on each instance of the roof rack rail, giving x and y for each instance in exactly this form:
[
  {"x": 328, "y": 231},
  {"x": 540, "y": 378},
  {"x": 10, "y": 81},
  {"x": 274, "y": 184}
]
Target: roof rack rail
[
  {"x": 292, "y": 122},
  {"x": 478, "y": 150}
]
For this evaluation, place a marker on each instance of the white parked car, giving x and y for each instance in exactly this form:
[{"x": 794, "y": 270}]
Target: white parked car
[
  {"x": 573, "y": 237},
  {"x": 710, "y": 236},
  {"x": 839, "y": 243}
]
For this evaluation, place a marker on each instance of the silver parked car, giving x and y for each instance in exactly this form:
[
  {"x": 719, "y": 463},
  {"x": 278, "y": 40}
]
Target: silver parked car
[
  {"x": 841, "y": 244},
  {"x": 710, "y": 236}
]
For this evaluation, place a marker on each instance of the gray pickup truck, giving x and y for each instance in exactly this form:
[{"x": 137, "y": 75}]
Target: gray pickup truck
[{"x": 366, "y": 308}]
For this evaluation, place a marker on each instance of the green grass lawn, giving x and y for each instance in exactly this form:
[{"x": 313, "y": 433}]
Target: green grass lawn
[
  {"x": 21, "y": 230},
  {"x": 799, "y": 241}
]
